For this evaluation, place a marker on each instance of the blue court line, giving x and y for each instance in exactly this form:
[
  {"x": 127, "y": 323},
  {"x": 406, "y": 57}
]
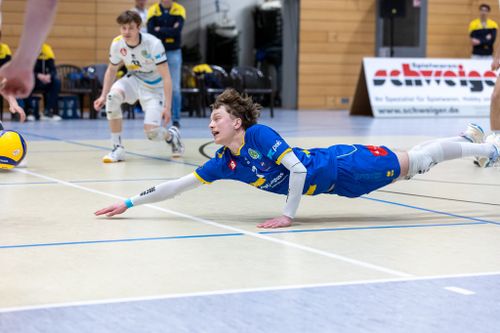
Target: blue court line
[
  {"x": 431, "y": 210},
  {"x": 124, "y": 240},
  {"x": 239, "y": 234},
  {"x": 372, "y": 227},
  {"x": 107, "y": 149},
  {"x": 88, "y": 181}
]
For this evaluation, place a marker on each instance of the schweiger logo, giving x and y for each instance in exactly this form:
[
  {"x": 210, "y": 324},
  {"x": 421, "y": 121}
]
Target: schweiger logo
[{"x": 430, "y": 77}]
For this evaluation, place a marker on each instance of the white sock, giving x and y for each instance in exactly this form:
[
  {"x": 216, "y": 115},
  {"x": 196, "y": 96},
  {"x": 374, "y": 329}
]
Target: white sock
[
  {"x": 116, "y": 139},
  {"x": 441, "y": 140},
  {"x": 478, "y": 149},
  {"x": 422, "y": 158}
]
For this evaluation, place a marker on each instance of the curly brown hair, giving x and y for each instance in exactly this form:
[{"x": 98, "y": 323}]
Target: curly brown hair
[
  {"x": 240, "y": 106},
  {"x": 128, "y": 17}
]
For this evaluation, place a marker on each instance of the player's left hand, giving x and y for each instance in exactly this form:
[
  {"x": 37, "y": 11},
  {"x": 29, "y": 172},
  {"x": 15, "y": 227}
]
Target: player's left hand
[
  {"x": 278, "y": 222},
  {"x": 17, "y": 109},
  {"x": 166, "y": 114},
  {"x": 114, "y": 209}
]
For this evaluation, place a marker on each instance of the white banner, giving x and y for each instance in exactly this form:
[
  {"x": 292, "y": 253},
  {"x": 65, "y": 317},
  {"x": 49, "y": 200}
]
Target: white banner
[{"x": 424, "y": 87}]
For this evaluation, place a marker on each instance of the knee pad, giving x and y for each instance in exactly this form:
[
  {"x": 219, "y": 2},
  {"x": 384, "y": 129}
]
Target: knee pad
[
  {"x": 114, "y": 101},
  {"x": 419, "y": 162},
  {"x": 156, "y": 134}
]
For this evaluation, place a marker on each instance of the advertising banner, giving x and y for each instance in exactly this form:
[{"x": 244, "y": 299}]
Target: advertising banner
[{"x": 424, "y": 87}]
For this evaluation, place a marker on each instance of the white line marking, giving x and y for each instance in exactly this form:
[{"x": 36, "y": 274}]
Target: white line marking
[
  {"x": 241, "y": 291},
  {"x": 460, "y": 291},
  {"x": 223, "y": 226}
]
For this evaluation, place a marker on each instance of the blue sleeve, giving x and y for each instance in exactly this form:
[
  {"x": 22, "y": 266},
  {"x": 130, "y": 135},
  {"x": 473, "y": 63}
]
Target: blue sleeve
[
  {"x": 213, "y": 169},
  {"x": 269, "y": 142}
]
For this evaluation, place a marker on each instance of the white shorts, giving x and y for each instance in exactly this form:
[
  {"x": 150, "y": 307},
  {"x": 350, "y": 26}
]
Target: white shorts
[{"x": 152, "y": 98}]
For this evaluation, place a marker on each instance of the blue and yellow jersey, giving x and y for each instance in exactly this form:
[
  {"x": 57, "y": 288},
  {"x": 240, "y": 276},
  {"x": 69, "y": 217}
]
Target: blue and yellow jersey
[
  {"x": 258, "y": 163},
  {"x": 5, "y": 54},
  {"x": 170, "y": 20},
  {"x": 485, "y": 33}
]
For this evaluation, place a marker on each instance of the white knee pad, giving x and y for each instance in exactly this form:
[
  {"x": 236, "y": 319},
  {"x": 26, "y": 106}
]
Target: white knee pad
[
  {"x": 114, "y": 101},
  {"x": 419, "y": 162},
  {"x": 156, "y": 134}
]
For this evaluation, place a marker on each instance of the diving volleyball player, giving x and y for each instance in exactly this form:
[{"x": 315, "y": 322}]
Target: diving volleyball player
[{"x": 257, "y": 155}]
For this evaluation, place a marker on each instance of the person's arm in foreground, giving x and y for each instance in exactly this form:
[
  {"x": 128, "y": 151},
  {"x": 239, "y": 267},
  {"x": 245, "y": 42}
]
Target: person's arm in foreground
[
  {"x": 298, "y": 173},
  {"x": 156, "y": 193},
  {"x": 17, "y": 75}
]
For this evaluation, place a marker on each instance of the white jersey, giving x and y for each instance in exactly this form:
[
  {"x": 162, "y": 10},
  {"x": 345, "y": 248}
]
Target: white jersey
[{"x": 141, "y": 60}]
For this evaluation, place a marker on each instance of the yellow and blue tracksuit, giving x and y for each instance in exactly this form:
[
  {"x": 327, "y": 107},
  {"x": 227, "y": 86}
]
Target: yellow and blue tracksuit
[
  {"x": 479, "y": 31},
  {"x": 166, "y": 19}
]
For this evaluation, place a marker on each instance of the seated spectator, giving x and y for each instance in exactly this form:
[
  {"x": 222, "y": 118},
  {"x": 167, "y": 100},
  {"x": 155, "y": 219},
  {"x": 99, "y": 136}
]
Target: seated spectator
[
  {"x": 46, "y": 82},
  {"x": 5, "y": 57}
]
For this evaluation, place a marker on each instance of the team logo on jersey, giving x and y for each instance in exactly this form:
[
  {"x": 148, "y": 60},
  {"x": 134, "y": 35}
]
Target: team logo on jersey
[
  {"x": 123, "y": 51},
  {"x": 232, "y": 165},
  {"x": 254, "y": 154},
  {"x": 377, "y": 151},
  {"x": 145, "y": 54}
]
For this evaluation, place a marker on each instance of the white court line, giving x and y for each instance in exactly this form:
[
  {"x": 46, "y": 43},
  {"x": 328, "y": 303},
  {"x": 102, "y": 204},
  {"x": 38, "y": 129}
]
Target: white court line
[
  {"x": 223, "y": 226},
  {"x": 460, "y": 291},
  {"x": 241, "y": 291}
]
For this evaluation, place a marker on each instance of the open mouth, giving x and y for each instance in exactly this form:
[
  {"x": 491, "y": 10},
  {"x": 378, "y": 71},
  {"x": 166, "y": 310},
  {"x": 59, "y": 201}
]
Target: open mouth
[{"x": 215, "y": 134}]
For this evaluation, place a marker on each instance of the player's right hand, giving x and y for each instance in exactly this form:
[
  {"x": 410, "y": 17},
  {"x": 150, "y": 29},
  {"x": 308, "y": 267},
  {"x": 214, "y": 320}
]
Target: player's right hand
[
  {"x": 99, "y": 103},
  {"x": 114, "y": 209}
]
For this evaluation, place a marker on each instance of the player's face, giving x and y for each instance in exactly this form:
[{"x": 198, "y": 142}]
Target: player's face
[
  {"x": 167, "y": 3},
  {"x": 223, "y": 126},
  {"x": 130, "y": 32},
  {"x": 483, "y": 14}
]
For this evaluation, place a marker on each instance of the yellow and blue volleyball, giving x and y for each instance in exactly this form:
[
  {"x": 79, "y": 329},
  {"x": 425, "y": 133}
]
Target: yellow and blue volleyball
[{"x": 12, "y": 149}]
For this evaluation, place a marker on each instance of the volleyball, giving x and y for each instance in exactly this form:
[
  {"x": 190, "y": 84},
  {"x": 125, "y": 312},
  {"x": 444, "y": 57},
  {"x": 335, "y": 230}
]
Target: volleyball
[{"x": 12, "y": 149}]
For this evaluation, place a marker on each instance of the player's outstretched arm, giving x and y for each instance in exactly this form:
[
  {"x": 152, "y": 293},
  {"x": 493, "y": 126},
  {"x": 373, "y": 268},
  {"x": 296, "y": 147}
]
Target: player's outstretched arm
[
  {"x": 156, "y": 193},
  {"x": 298, "y": 173}
]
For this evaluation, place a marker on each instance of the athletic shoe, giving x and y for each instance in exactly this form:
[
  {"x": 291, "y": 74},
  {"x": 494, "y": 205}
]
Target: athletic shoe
[
  {"x": 56, "y": 117},
  {"x": 493, "y": 161},
  {"x": 475, "y": 134},
  {"x": 30, "y": 117},
  {"x": 175, "y": 142},
  {"x": 116, "y": 155}
]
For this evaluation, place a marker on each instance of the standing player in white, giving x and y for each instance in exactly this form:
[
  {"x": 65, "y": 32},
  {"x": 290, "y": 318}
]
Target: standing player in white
[{"x": 148, "y": 80}]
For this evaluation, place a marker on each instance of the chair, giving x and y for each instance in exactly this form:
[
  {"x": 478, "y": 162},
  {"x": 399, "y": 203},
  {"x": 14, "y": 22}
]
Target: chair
[
  {"x": 252, "y": 81},
  {"x": 75, "y": 82},
  {"x": 191, "y": 92},
  {"x": 216, "y": 83}
]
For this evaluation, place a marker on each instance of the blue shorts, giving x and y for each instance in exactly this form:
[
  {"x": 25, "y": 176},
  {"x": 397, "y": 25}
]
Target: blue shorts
[{"x": 362, "y": 169}]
